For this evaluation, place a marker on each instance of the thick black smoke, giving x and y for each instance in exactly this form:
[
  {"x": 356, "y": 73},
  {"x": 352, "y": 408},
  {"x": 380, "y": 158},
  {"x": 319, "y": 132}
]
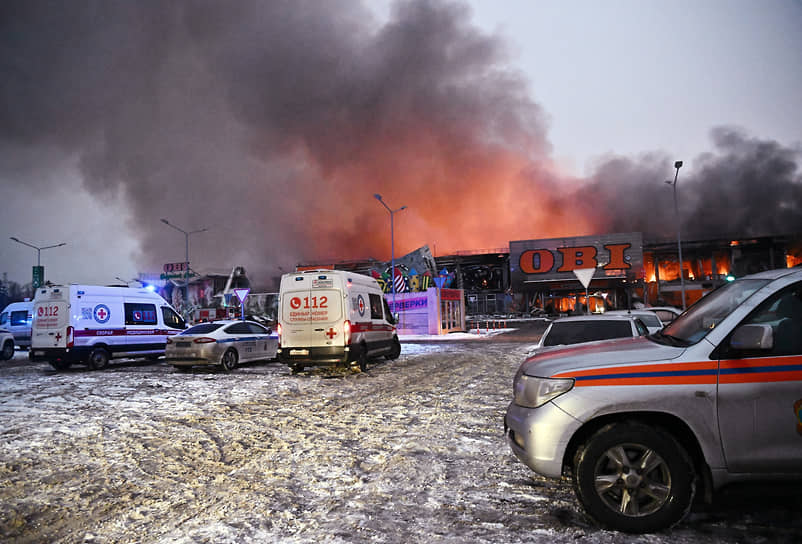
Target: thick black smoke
[
  {"x": 746, "y": 187},
  {"x": 273, "y": 123}
]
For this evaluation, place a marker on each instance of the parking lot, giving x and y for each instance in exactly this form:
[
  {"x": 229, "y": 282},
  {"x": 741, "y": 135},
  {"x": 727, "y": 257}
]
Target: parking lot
[{"x": 409, "y": 451}]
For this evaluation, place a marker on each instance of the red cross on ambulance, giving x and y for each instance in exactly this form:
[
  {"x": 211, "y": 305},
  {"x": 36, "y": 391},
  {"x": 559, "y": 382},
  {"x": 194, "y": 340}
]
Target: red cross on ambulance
[{"x": 331, "y": 333}]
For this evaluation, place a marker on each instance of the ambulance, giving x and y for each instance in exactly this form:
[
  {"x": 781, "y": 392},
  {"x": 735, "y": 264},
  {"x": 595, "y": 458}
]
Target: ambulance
[
  {"x": 333, "y": 317},
  {"x": 92, "y": 324}
]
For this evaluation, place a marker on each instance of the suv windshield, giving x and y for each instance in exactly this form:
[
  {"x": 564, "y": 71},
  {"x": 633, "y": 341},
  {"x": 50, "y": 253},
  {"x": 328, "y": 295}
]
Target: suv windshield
[{"x": 703, "y": 316}]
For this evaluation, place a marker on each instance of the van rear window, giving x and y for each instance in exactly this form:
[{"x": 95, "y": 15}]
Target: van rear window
[
  {"x": 575, "y": 332},
  {"x": 140, "y": 314}
]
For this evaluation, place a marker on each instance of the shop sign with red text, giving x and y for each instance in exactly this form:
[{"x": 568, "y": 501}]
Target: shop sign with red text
[{"x": 613, "y": 255}]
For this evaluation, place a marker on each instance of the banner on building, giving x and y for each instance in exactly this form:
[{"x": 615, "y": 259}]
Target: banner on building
[{"x": 555, "y": 259}]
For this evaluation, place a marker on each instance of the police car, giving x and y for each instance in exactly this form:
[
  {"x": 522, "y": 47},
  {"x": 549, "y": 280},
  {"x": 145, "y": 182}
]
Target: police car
[{"x": 643, "y": 425}]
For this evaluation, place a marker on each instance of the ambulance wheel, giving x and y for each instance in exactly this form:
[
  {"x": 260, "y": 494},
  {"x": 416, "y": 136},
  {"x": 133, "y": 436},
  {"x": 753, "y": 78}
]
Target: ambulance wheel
[
  {"x": 60, "y": 365},
  {"x": 363, "y": 359},
  {"x": 8, "y": 351},
  {"x": 229, "y": 360},
  {"x": 395, "y": 351},
  {"x": 99, "y": 359}
]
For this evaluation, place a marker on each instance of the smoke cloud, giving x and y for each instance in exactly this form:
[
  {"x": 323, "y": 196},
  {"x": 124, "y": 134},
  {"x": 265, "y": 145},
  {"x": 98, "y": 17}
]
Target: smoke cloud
[{"x": 272, "y": 124}]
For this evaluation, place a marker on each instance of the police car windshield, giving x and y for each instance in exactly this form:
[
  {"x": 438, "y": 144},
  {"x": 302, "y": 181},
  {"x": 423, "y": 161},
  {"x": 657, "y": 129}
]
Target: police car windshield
[
  {"x": 706, "y": 314},
  {"x": 203, "y": 328}
]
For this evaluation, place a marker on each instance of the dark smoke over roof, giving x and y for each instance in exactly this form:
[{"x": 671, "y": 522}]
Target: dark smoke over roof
[{"x": 273, "y": 123}]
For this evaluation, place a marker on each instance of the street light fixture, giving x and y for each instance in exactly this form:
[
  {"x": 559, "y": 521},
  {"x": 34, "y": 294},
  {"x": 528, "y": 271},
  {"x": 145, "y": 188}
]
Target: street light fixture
[
  {"x": 678, "y": 165},
  {"x": 378, "y": 197},
  {"x": 38, "y": 252},
  {"x": 186, "y": 261}
]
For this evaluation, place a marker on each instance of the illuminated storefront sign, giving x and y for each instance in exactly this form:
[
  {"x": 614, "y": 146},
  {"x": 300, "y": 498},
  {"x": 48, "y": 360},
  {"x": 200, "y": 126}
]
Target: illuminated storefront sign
[{"x": 555, "y": 259}]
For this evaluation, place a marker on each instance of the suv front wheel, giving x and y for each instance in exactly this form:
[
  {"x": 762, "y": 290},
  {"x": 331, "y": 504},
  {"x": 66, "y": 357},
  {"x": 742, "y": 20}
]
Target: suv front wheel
[{"x": 634, "y": 478}]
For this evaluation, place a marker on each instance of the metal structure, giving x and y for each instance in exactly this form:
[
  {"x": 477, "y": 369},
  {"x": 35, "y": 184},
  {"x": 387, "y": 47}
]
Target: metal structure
[
  {"x": 378, "y": 197},
  {"x": 38, "y": 255},
  {"x": 186, "y": 261},
  {"x": 678, "y": 165}
]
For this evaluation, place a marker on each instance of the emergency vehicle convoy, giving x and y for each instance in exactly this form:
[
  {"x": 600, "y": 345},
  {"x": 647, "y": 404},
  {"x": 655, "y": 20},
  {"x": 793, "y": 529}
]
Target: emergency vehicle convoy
[
  {"x": 91, "y": 324},
  {"x": 333, "y": 317},
  {"x": 644, "y": 424}
]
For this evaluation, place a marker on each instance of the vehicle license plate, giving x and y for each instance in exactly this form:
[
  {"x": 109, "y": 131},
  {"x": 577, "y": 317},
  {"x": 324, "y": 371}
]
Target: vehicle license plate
[
  {"x": 38, "y": 353},
  {"x": 299, "y": 352},
  {"x": 182, "y": 344}
]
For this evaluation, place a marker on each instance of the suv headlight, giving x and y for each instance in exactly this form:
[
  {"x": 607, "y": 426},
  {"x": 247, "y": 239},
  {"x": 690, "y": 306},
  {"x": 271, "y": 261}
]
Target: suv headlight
[{"x": 532, "y": 392}]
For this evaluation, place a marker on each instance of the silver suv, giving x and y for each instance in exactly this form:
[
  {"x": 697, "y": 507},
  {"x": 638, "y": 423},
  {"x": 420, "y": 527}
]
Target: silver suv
[{"x": 642, "y": 425}]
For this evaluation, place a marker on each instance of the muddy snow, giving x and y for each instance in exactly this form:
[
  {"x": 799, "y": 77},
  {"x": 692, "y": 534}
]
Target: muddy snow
[{"x": 409, "y": 451}]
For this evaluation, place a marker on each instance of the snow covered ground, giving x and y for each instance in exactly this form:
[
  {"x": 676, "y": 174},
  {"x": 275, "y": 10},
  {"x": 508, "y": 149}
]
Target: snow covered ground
[{"x": 409, "y": 451}]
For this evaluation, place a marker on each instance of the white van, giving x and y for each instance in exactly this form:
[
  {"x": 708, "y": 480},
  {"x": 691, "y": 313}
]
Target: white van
[
  {"x": 91, "y": 324},
  {"x": 16, "y": 319},
  {"x": 333, "y": 317}
]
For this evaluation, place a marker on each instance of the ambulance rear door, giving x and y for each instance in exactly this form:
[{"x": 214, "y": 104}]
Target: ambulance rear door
[
  {"x": 51, "y": 319},
  {"x": 312, "y": 312}
]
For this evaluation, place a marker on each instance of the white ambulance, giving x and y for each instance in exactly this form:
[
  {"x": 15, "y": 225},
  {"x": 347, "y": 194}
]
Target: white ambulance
[
  {"x": 333, "y": 317},
  {"x": 92, "y": 324}
]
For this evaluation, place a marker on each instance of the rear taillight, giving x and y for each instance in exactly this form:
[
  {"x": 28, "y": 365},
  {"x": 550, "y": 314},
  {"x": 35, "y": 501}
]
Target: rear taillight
[
  {"x": 204, "y": 340},
  {"x": 70, "y": 337},
  {"x": 278, "y": 331},
  {"x": 347, "y": 332}
]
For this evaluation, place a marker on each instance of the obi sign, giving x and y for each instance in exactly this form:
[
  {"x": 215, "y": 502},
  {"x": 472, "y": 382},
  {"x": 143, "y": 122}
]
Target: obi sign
[{"x": 615, "y": 255}]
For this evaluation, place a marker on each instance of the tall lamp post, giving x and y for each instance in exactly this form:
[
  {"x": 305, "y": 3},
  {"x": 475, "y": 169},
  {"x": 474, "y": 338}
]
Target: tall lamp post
[
  {"x": 678, "y": 165},
  {"x": 38, "y": 256},
  {"x": 378, "y": 197},
  {"x": 186, "y": 261}
]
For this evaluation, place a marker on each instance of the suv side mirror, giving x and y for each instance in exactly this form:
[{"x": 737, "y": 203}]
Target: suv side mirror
[{"x": 753, "y": 336}]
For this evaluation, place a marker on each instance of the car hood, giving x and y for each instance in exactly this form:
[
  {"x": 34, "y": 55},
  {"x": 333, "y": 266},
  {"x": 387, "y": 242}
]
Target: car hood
[{"x": 622, "y": 351}]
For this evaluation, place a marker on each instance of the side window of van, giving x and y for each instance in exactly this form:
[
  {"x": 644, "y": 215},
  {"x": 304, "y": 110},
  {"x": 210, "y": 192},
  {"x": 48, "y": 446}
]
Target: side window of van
[
  {"x": 140, "y": 314},
  {"x": 172, "y": 319},
  {"x": 20, "y": 317},
  {"x": 376, "y": 306},
  {"x": 3, "y": 318},
  {"x": 387, "y": 312}
]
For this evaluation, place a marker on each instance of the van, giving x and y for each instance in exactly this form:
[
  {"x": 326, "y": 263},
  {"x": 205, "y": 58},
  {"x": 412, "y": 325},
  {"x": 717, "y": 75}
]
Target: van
[
  {"x": 16, "y": 319},
  {"x": 92, "y": 324},
  {"x": 333, "y": 317}
]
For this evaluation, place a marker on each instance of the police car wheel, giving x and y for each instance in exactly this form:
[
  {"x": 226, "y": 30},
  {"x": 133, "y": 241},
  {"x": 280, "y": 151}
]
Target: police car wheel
[
  {"x": 8, "y": 351},
  {"x": 634, "y": 478},
  {"x": 229, "y": 360},
  {"x": 99, "y": 359}
]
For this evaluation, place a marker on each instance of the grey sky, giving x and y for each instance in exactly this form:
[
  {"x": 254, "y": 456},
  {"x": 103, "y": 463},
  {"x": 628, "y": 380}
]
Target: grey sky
[
  {"x": 628, "y": 76},
  {"x": 272, "y": 125}
]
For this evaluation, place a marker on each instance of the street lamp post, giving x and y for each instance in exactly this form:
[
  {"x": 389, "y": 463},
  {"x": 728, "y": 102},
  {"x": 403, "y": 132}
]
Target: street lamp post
[
  {"x": 186, "y": 261},
  {"x": 38, "y": 253},
  {"x": 378, "y": 197},
  {"x": 678, "y": 165}
]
